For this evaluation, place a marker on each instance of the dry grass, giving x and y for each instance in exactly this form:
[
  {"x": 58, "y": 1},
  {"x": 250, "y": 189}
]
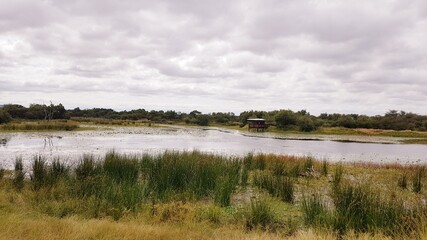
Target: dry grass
[{"x": 29, "y": 226}]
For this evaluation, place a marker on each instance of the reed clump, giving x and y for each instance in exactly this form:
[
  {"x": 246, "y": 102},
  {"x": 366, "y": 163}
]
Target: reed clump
[
  {"x": 402, "y": 181},
  {"x": 2, "y": 173},
  {"x": 356, "y": 208},
  {"x": 19, "y": 174},
  {"x": 417, "y": 179},
  {"x": 281, "y": 187},
  {"x": 260, "y": 215},
  {"x": 315, "y": 210}
]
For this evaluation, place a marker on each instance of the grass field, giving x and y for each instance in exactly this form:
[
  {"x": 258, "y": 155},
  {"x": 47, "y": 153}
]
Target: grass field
[{"x": 194, "y": 195}]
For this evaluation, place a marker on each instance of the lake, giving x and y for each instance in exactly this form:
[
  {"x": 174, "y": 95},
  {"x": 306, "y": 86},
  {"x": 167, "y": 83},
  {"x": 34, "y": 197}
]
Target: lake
[{"x": 137, "y": 140}]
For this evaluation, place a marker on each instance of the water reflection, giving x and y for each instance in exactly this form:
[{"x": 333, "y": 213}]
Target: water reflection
[
  {"x": 4, "y": 141},
  {"x": 48, "y": 143}
]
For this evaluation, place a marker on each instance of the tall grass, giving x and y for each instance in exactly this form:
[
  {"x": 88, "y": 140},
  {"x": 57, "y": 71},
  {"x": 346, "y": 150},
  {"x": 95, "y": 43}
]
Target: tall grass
[
  {"x": 40, "y": 126},
  {"x": 194, "y": 174},
  {"x": 281, "y": 187},
  {"x": 2, "y": 173},
  {"x": 402, "y": 181},
  {"x": 359, "y": 209},
  {"x": 338, "y": 175},
  {"x": 324, "y": 169},
  {"x": 117, "y": 185},
  {"x": 121, "y": 168},
  {"x": 417, "y": 179},
  {"x": 223, "y": 190},
  {"x": 19, "y": 174},
  {"x": 260, "y": 215},
  {"x": 57, "y": 170},
  {"x": 39, "y": 172},
  {"x": 315, "y": 212}
]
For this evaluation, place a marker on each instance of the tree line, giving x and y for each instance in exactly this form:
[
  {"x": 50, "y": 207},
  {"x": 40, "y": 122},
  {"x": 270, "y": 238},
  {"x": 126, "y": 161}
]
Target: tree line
[{"x": 282, "y": 119}]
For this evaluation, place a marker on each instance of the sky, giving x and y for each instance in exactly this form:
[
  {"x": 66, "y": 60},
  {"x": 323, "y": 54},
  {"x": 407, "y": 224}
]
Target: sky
[{"x": 335, "y": 56}]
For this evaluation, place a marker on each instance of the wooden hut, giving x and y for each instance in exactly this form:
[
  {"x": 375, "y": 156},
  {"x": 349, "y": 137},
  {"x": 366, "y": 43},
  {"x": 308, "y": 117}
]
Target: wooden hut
[{"x": 257, "y": 124}]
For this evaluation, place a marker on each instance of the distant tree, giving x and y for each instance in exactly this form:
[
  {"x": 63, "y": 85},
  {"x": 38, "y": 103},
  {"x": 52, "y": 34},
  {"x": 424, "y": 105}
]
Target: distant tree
[
  {"x": 346, "y": 121},
  {"x": 170, "y": 115},
  {"x": 4, "y": 116},
  {"x": 202, "y": 120},
  {"x": 59, "y": 112},
  {"x": 15, "y": 110},
  {"x": 306, "y": 124},
  {"x": 285, "y": 119}
]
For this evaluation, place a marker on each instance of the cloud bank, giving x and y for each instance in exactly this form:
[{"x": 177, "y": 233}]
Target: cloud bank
[{"x": 323, "y": 56}]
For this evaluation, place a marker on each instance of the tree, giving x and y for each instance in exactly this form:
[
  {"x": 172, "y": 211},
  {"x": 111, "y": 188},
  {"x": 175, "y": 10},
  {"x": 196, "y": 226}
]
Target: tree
[
  {"x": 306, "y": 124},
  {"x": 285, "y": 119},
  {"x": 4, "y": 117},
  {"x": 202, "y": 120}
]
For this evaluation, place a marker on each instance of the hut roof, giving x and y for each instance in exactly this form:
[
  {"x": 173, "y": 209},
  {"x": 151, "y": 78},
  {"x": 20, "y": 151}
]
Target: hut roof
[{"x": 256, "y": 119}]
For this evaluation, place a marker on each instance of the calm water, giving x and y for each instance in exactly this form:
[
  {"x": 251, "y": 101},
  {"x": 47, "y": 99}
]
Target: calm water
[{"x": 71, "y": 145}]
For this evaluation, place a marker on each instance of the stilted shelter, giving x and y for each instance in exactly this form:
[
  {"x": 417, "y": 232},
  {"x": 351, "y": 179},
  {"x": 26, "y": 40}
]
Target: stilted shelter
[{"x": 257, "y": 124}]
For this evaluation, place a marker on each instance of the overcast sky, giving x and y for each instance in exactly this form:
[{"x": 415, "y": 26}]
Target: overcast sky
[{"x": 322, "y": 55}]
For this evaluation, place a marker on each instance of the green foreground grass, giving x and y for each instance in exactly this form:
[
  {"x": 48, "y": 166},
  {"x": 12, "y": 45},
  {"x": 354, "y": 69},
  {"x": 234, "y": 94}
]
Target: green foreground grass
[{"x": 194, "y": 195}]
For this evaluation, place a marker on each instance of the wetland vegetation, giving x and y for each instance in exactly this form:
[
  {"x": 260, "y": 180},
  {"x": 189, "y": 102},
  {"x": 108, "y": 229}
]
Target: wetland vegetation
[{"x": 201, "y": 195}]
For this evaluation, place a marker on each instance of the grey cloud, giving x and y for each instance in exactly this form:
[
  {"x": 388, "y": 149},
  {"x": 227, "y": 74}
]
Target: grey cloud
[
  {"x": 94, "y": 69},
  {"x": 274, "y": 52}
]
